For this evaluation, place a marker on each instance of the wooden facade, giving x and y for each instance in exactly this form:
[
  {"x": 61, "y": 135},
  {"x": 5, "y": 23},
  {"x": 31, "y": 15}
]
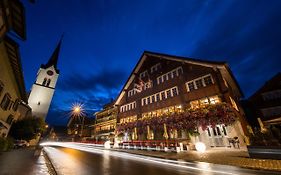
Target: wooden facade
[{"x": 176, "y": 83}]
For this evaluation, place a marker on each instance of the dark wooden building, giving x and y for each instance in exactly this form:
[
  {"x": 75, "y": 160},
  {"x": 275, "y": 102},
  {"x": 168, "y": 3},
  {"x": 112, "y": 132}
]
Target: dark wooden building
[
  {"x": 266, "y": 102},
  {"x": 162, "y": 84}
]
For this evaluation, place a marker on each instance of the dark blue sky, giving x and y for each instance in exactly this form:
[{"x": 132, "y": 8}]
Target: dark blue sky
[{"x": 105, "y": 38}]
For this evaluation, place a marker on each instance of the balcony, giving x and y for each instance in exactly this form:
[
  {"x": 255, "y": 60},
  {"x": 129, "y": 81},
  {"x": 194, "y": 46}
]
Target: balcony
[{"x": 105, "y": 119}]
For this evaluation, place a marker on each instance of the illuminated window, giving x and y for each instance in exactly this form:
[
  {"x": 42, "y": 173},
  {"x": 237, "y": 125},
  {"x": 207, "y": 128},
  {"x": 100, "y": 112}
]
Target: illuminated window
[
  {"x": 194, "y": 104},
  {"x": 204, "y": 101},
  {"x": 214, "y": 100}
]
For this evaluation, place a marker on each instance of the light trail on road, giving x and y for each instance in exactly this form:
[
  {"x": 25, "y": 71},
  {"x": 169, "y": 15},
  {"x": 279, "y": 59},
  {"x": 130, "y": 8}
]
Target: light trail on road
[{"x": 190, "y": 167}]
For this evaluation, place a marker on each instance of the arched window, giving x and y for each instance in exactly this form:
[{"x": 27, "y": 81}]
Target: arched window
[
  {"x": 44, "y": 82},
  {"x": 48, "y": 82}
]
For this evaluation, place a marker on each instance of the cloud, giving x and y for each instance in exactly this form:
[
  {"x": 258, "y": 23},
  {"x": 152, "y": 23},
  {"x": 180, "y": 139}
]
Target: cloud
[{"x": 107, "y": 79}]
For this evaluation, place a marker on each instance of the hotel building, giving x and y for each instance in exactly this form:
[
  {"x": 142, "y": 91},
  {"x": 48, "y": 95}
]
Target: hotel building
[{"x": 162, "y": 85}]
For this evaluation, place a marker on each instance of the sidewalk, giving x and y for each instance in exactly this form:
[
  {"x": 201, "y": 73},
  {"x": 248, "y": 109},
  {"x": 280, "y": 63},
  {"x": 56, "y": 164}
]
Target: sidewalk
[
  {"x": 22, "y": 161},
  {"x": 234, "y": 157}
]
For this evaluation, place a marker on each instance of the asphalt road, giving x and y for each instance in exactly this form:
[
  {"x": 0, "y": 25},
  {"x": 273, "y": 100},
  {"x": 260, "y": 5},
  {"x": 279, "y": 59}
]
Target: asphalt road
[{"x": 98, "y": 161}]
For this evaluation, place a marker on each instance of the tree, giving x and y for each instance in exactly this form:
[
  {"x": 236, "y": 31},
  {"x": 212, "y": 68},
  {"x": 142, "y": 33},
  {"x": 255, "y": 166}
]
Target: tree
[{"x": 27, "y": 128}]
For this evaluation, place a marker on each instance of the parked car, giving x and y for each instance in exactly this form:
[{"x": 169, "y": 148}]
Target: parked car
[{"x": 20, "y": 144}]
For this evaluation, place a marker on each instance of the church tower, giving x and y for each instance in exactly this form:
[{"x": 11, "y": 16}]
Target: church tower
[{"x": 43, "y": 89}]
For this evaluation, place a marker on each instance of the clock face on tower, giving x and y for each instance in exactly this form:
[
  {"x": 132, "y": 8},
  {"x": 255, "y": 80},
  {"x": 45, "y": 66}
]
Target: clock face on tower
[{"x": 49, "y": 72}]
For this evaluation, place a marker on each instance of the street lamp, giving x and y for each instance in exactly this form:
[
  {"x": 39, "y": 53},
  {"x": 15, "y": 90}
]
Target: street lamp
[{"x": 78, "y": 111}]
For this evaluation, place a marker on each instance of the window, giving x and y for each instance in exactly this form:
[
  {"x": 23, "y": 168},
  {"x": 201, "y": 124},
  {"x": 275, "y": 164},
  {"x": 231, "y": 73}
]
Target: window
[
  {"x": 5, "y": 101},
  {"x": 170, "y": 75},
  {"x": 191, "y": 86},
  {"x": 143, "y": 74},
  {"x": 214, "y": 100},
  {"x": 194, "y": 104},
  {"x": 135, "y": 104},
  {"x": 224, "y": 130},
  {"x": 44, "y": 82},
  {"x": 174, "y": 73},
  {"x": 155, "y": 67},
  {"x": 1, "y": 88},
  {"x": 208, "y": 80},
  {"x": 174, "y": 91},
  {"x": 198, "y": 83},
  {"x": 10, "y": 119},
  {"x": 48, "y": 82},
  {"x": 204, "y": 101},
  {"x": 214, "y": 132},
  {"x": 157, "y": 97},
  {"x": 180, "y": 71},
  {"x": 158, "y": 80},
  {"x": 144, "y": 101},
  {"x": 168, "y": 93},
  {"x": 163, "y": 96},
  {"x": 16, "y": 104},
  {"x": 218, "y": 130},
  {"x": 152, "y": 99},
  {"x": 148, "y": 100},
  {"x": 209, "y": 132}
]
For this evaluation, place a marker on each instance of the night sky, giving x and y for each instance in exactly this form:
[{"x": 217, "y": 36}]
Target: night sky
[{"x": 103, "y": 40}]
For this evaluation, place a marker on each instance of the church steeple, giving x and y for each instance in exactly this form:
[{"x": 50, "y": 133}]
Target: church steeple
[
  {"x": 43, "y": 89},
  {"x": 53, "y": 61}
]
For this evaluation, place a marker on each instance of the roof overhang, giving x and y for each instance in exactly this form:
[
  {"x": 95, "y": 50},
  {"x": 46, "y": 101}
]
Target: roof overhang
[
  {"x": 222, "y": 66},
  {"x": 12, "y": 49}
]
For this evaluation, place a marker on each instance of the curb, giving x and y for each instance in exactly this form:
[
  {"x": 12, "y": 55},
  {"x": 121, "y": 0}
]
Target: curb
[
  {"x": 49, "y": 164},
  {"x": 241, "y": 166}
]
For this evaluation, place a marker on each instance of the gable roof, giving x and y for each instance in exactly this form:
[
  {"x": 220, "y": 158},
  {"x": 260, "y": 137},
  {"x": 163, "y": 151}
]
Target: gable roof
[
  {"x": 269, "y": 85},
  {"x": 222, "y": 66},
  {"x": 53, "y": 61}
]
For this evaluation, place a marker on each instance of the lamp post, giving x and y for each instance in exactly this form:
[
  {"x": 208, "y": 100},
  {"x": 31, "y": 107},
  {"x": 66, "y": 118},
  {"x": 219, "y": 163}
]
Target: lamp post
[{"x": 78, "y": 111}]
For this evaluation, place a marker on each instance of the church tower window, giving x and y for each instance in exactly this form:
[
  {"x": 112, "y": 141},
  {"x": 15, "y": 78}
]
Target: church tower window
[
  {"x": 48, "y": 82},
  {"x": 44, "y": 82}
]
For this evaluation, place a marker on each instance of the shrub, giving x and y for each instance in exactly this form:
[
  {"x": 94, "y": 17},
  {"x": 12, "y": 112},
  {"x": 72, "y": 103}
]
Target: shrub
[
  {"x": 263, "y": 139},
  {"x": 6, "y": 143}
]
